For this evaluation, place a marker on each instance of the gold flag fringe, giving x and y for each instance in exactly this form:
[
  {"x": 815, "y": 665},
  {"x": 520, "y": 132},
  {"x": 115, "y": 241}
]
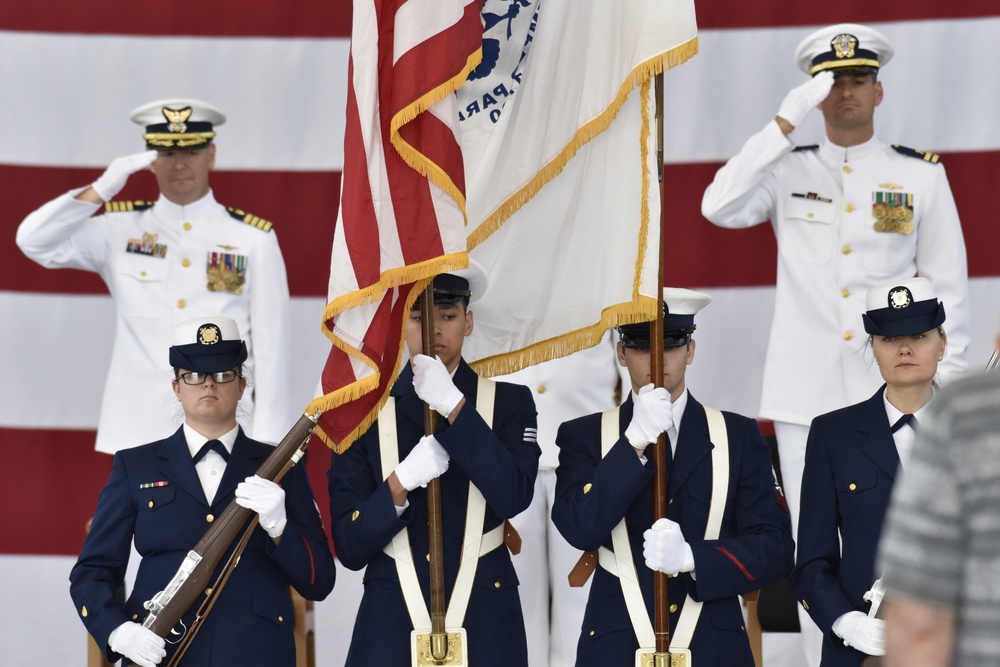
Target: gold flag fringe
[
  {"x": 640, "y": 74},
  {"x": 413, "y": 157},
  {"x": 421, "y": 275}
]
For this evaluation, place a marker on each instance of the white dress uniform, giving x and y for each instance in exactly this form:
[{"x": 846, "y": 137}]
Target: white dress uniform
[
  {"x": 582, "y": 383},
  {"x": 822, "y": 203},
  {"x": 164, "y": 264}
]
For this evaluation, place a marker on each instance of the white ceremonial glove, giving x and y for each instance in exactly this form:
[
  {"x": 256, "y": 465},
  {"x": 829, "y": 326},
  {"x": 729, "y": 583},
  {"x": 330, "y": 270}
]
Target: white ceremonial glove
[
  {"x": 665, "y": 549},
  {"x": 427, "y": 461},
  {"x": 803, "y": 99},
  {"x": 114, "y": 177},
  {"x": 861, "y": 632},
  {"x": 651, "y": 416},
  {"x": 265, "y": 498},
  {"x": 433, "y": 384},
  {"x": 140, "y": 645}
]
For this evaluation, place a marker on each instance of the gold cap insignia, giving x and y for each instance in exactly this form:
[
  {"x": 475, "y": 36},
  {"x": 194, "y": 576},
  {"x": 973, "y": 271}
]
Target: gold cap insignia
[
  {"x": 209, "y": 334},
  {"x": 843, "y": 45},
  {"x": 177, "y": 118}
]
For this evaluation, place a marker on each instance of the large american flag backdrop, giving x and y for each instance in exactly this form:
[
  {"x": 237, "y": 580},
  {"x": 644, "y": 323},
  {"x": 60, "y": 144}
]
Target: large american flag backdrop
[{"x": 70, "y": 73}]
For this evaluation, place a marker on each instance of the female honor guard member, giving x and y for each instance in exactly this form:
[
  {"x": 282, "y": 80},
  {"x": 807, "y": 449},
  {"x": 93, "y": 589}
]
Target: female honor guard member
[
  {"x": 852, "y": 461},
  {"x": 727, "y": 530},
  {"x": 165, "y": 494},
  {"x": 485, "y": 453},
  {"x": 164, "y": 262}
]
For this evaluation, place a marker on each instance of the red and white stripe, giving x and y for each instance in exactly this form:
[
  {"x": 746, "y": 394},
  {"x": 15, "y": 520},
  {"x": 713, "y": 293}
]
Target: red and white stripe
[
  {"x": 402, "y": 216},
  {"x": 74, "y": 70}
]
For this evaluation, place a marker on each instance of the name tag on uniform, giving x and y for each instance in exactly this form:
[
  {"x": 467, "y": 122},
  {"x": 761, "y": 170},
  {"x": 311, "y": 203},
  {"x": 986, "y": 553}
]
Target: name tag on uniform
[{"x": 226, "y": 272}]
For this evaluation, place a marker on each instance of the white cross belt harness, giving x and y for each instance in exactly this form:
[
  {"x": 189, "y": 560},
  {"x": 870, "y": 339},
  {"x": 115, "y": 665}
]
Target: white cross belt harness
[
  {"x": 475, "y": 543},
  {"x": 619, "y": 562}
]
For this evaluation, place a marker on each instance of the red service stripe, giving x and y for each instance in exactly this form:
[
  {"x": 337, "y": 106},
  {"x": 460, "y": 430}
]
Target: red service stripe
[
  {"x": 302, "y": 206},
  {"x": 215, "y": 18},
  {"x": 725, "y": 552},
  {"x": 53, "y": 478}
]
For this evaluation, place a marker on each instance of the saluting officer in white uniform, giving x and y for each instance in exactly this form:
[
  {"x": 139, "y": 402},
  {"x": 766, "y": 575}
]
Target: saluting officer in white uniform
[
  {"x": 847, "y": 214},
  {"x": 165, "y": 262}
]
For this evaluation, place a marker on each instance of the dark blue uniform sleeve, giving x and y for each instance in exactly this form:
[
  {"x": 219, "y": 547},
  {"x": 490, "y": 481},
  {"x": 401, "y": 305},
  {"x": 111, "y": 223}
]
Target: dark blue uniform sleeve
[
  {"x": 593, "y": 494},
  {"x": 503, "y": 461},
  {"x": 100, "y": 570},
  {"x": 815, "y": 577},
  {"x": 303, "y": 553},
  {"x": 757, "y": 548},
  {"x": 361, "y": 508}
]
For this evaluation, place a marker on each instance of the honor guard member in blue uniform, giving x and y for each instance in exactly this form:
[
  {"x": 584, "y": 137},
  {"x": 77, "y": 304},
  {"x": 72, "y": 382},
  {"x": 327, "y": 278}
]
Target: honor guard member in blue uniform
[
  {"x": 853, "y": 459},
  {"x": 727, "y": 530},
  {"x": 164, "y": 496},
  {"x": 164, "y": 262},
  {"x": 847, "y": 214},
  {"x": 486, "y": 455}
]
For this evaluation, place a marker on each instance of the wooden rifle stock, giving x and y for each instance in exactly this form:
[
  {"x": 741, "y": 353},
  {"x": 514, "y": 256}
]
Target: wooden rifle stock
[{"x": 193, "y": 577}]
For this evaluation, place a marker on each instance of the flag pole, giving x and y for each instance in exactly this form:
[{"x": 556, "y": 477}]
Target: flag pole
[
  {"x": 661, "y": 619},
  {"x": 439, "y": 637}
]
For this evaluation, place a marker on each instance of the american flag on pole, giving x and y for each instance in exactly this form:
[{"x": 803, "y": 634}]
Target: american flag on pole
[{"x": 402, "y": 206}]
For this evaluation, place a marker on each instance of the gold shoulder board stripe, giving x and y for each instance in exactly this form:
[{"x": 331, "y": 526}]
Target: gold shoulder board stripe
[
  {"x": 933, "y": 158},
  {"x": 125, "y": 206},
  {"x": 250, "y": 219}
]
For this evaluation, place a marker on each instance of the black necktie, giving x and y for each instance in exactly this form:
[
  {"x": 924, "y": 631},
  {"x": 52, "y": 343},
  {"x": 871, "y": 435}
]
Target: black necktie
[
  {"x": 212, "y": 444},
  {"x": 903, "y": 421}
]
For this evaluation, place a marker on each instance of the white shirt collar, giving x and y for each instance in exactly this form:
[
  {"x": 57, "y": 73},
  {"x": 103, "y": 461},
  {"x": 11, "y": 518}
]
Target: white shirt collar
[
  {"x": 195, "y": 440},
  {"x": 169, "y": 210},
  {"x": 836, "y": 155}
]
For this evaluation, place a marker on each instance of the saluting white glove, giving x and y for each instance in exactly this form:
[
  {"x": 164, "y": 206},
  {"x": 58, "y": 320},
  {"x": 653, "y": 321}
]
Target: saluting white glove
[
  {"x": 265, "y": 498},
  {"x": 803, "y": 99},
  {"x": 433, "y": 384},
  {"x": 651, "y": 416},
  {"x": 114, "y": 177},
  {"x": 860, "y": 631},
  {"x": 140, "y": 645},
  {"x": 427, "y": 461},
  {"x": 665, "y": 549}
]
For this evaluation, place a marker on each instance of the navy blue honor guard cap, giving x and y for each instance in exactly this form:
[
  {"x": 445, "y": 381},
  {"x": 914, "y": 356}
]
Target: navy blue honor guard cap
[
  {"x": 467, "y": 285},
  {"x": 207, "y": 345},
  {"x": 679, "y": 308},
  {"x": 903, "y": 308}
]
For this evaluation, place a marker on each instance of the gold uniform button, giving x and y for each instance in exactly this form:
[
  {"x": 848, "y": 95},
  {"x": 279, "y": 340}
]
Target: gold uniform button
[
  {"x": 849, "y": 208},
  {"x": 845, "y": 293},
  {"x": 809, "y": 215},
  {"x": 591, "y": 633},
  {"x": 281, "y": 619},
  {"x": 135, "y": 617},
  {"x": 357, "y": 513},
  {"x": 428, "y": 558},
  {"x": 150, "y": 504},
  {"x": 142, "y": 273},
  {"x": 848, "y": 335},
  {"x": 185, "y": 262},
  {"x": 84, "y": 613},
  {"x": 853, "y": 486},
  {"x": 587, "y": 487},
  {"x": 673, "y": 608},
  {"x": 181, "y": 303},
  {"x": 208, "y": 591},
  {"x": 846, "y": 169},
  {"x": 541, "y": 389},
  {"x": 496, "y": 584},
  {"x": 805, "y": 605},
  {"x": 210, "y": 518},
  {"x": 187, "y": 226},
  {"x": 846, "y": 250}
]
